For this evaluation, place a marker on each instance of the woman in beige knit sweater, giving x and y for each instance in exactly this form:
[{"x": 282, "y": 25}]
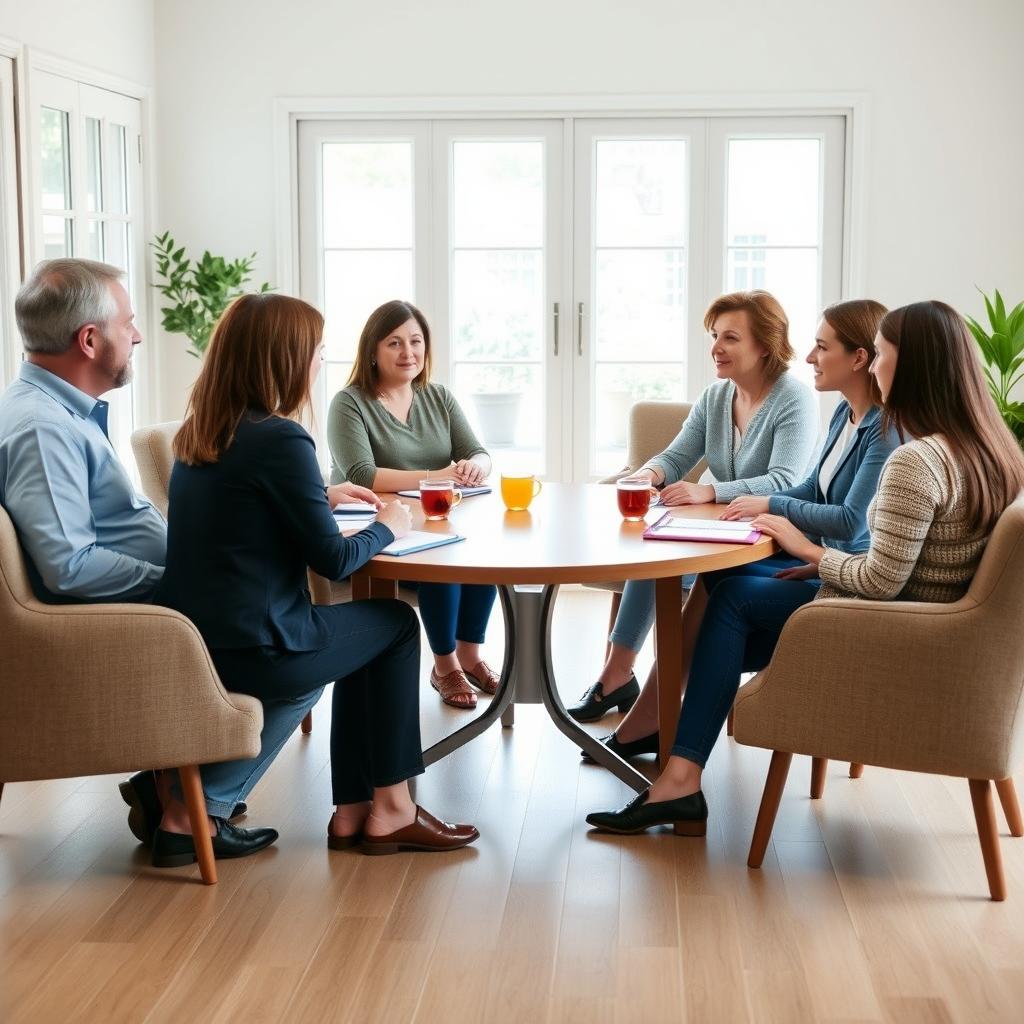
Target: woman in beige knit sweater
[{"x": 939, "y": 497}]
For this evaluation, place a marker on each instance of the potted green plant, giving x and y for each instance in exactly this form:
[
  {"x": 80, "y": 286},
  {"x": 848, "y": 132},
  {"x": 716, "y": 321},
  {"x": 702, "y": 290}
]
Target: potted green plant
[
  {"x": 1002, "y": 349},
  {"x": 199, "y": 291},
  {"x": 497, "y": 397}
]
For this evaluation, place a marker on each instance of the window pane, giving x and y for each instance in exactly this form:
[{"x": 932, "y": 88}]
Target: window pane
[
  {"x": 617, "y": 387},
  {"x": 498, "y": 190},
  {"x": 58, "y": 237},
  {"x": 117, "y": 184},
  {"x": 640, "y": 304},
  {"x": 368, "y": 195},
  {"x": 94, "y": 240},
  {"x": 505, "y": 407},
  {"x": 773, "y": 191},
  {"x": 55, "y": 160},
  {"x": 497, "y": 304},
  {"x": 115, "y": 236},
  {"x": 93, "y": 166},
  {"x": 641, "y": 192},
  {"x": 355, "y": 284}
]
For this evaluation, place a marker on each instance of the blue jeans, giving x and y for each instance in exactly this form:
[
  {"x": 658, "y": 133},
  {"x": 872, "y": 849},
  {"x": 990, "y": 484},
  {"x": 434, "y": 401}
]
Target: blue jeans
[
  {"x": 635, "y": 617},
  {"x": 374, "y": 656},
  {"x": 454, "y": 611},
  {"x": 744, "y": 617}
]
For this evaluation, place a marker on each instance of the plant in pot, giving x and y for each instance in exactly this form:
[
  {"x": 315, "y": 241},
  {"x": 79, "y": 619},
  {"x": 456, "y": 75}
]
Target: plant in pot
[
  {"x": 199, "y": 291},
  {"x": 1002, "y": 351},
  {"x": 497, "y": 396}
]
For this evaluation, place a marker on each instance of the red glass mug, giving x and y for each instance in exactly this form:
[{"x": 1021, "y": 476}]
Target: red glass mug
[
  {"x": 634, "y": 496},
  {"x": 438, "y": 498}
]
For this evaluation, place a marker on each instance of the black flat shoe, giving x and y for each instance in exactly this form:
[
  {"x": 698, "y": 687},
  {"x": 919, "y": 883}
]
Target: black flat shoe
[
  {"x": 172, "y": 850},
  {"x": 594, "y": 704},
  {"x": 688, "y": 815},
  {"x": 644, "y": 745},
  {"x": 144, "y": 811}
]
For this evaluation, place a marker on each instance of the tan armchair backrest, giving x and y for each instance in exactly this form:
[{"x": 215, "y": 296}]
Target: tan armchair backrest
[
  {"x": 153, "y": 455},
  {"x": 902, "y": 684},
  {"x": 89, "y": 689},
  {"x": 652, "y": 426}
]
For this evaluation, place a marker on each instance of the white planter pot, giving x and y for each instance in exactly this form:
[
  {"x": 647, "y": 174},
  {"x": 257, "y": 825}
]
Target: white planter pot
[{"x": 498, "y": 413}]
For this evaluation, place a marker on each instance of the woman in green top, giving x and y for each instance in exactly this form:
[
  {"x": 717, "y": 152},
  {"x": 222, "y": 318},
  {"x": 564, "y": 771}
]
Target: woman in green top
[{"x": 390, "y": 428}]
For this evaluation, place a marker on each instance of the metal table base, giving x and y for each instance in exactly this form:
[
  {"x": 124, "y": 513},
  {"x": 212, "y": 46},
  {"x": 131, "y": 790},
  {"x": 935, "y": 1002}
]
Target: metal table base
[{"x": 527, "y": 678}]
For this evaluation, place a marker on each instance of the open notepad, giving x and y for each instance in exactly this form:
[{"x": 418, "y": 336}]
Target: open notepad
[
  {"x": 420, "y": 540},
  {"x": 713, "y": 531}
]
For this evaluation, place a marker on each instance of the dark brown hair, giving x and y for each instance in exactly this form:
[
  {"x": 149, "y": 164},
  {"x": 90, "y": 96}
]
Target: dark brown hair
[
  {"x": 938, "y": 388},
  {"x": 259, "y": 357},
  {"x": 383, "y": 322},
  {"x": 768, "y": 323},
  {"x": 856, "y": 323}
]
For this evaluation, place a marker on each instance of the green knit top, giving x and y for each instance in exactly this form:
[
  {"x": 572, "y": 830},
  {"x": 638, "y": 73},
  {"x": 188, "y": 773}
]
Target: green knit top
[{"x": 365, "y": 436}]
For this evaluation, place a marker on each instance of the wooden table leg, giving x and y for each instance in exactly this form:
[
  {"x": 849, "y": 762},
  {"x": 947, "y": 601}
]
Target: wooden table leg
[
  {"x": 669, "y": 656},
  {"x": 360, "y": 586},
  {"x": 365, "y": 587}
]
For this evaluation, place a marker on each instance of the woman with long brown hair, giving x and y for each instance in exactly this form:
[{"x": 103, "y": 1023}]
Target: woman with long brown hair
[
  {"x": 939, "y": 497},
  {"x": 248, "y": 514}
]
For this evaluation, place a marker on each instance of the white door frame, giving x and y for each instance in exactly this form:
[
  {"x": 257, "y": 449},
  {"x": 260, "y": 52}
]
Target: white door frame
[{"x": 10, "y": 228}]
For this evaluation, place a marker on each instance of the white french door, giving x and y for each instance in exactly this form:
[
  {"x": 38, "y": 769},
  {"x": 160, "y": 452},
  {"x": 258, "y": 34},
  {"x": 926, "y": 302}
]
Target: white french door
[
  {"x": 10, "y": 243},
  {"x": 565, "y": 263},
  {"x": 86, "y": 196}
]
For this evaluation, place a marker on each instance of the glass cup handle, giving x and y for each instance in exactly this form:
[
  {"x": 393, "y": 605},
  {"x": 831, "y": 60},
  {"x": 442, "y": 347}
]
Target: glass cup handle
[
  {"x": 456, "y": 498},
  {"x": 536, "y": 488}
]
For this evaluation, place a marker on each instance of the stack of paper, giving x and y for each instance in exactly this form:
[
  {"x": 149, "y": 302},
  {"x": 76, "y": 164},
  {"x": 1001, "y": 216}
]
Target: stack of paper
[
  {"x": 353, "y": 516},
  {"x": 713, "y": 531}
]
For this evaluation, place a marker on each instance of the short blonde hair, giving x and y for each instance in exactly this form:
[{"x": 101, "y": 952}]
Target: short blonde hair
[{"x": 768, "y": 322}]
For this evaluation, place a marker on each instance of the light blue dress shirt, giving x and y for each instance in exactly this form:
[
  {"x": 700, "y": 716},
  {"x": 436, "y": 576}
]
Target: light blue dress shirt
[{"x": 87, "y": 532}]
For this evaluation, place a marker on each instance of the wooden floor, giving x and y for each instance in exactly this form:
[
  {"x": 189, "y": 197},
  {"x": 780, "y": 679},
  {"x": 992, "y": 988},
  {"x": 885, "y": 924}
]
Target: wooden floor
[{"x": 871, "y": 906}]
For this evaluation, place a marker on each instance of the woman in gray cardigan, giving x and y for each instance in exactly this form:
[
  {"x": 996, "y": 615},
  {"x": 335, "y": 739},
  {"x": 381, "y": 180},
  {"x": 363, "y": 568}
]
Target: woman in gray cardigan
[{"x": 756, "y": 426}]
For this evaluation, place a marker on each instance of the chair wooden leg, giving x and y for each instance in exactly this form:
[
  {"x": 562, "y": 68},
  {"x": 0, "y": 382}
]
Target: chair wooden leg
[
  {"x": 192, "y": 787},
  {"x": 1, "y": 791},
  {"x": 1007, "y": 797},
  {"x": 307, "y": 723},
  {"x": 819, "y": 766},
  {"x": 985, "y": 817},
  {"x": 856, "y": 770},
  {"x": 612, "y": 616},
  {"x": 729, "y": 722},
  {"x": 773, "y": 788}
]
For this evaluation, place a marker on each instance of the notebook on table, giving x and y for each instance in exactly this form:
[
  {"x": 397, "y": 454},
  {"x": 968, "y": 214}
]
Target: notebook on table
[
  {"x": 712, "y": 531},
  {"x": 420, "y": 540},
  {"x": 467, "y": 492}
]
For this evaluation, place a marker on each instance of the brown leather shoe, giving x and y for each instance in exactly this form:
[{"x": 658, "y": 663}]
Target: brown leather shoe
[
  {"x": 426, "y": 833},
  {"x": 483, "y": 677},
  {"x": 454, "y": 689}
]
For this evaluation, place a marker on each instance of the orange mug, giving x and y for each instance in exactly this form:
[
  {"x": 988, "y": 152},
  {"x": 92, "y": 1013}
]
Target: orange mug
[
  {"x": 438, "y": 498},
  {"x": 518, "y": 491}
]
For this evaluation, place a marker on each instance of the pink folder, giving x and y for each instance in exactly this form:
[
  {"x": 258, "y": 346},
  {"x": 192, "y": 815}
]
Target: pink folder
[{"x": 711, "y": 531}]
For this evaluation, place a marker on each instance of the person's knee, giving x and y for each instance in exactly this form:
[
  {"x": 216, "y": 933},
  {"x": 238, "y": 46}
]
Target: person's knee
[{"x": 406, "y": 624}]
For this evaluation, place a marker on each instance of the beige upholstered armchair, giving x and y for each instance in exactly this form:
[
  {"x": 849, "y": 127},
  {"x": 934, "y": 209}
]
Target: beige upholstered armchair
[
  {"x": 90, "y": 689},
  {"x": 652, "y": 425},
  {"x": 918, "y": 687}
]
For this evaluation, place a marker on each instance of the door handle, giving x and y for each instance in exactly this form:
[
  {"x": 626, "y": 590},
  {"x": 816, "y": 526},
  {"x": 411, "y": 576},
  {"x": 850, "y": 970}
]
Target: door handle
[
  {"x": 556, "y": 328},
  {"x": 579, "y": 328}
]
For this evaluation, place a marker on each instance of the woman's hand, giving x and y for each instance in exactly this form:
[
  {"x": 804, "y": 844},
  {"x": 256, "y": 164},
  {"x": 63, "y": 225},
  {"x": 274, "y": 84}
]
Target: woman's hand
[
  {"x": 468, "y": 473},
  {"x": 746, "y": 506},
  {"x": 788, "y": 537},
  {"x": 684, "y": 493},
  {"x": 798, "y": 572},
  {"x": 395, "y": 515},
  {"x": 337, "y": 494}
]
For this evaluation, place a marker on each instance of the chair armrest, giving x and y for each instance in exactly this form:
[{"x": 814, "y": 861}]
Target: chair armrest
[
  {"x": 113, "y": 687},
  {"x": 910, "y": 685}
]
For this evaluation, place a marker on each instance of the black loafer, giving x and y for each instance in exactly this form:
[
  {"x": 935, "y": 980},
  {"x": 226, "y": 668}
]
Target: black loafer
[
  {"x": 594, "y": 704},
  {"x": 172, "y": 850},
  {"x": 144, "y": 811},
  {"x": 688, "y": 815},
  {"x": 644, "y": 745}
]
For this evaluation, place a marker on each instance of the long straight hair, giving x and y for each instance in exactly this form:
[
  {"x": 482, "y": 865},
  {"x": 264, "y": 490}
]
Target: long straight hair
[
  {"x": 259, "y": 357},
  {"x": 382, "y": 323},
  {"x": 855, "y": 323},
  {"x": 938, "y": 388}
]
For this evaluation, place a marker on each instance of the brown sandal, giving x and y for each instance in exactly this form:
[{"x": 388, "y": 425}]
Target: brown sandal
[
  {"x": 483, "y": 677},
  {"x": 454, "y": 685}
]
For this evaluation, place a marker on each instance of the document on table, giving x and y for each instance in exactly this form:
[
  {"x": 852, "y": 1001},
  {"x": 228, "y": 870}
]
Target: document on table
[
  {"x": 713, "y": 531},
  {"x": 420, "y": 540}
]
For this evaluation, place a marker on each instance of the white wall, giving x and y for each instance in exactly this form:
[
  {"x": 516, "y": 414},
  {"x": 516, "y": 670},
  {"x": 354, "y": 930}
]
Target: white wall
[
  {"x": 946, "y": 81},
  {"x": 113, "y": 36}
]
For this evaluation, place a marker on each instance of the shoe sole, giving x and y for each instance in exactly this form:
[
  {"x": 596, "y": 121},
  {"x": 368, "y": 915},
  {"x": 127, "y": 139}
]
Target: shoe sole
[
  {"x": 697, "y": 829},
  {"x": 623, "y": 706},
  {"x": 180, "y": 860},
  {"x": 383, "y": 849},
  {"x": 344, "y": 842}
]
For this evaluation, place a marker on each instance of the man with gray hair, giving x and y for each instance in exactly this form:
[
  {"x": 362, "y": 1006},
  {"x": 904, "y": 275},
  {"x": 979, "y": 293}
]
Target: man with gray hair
[{"x": 88, "y": 534}]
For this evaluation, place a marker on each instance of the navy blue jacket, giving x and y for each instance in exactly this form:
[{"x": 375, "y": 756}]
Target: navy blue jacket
[
  {"x": 241, "y": 532},
  {"x": 839, "y": 519}
]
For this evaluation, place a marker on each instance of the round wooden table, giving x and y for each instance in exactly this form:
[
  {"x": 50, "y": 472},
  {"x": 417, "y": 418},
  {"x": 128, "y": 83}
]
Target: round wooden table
[{"x": 572, "y": 533}]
